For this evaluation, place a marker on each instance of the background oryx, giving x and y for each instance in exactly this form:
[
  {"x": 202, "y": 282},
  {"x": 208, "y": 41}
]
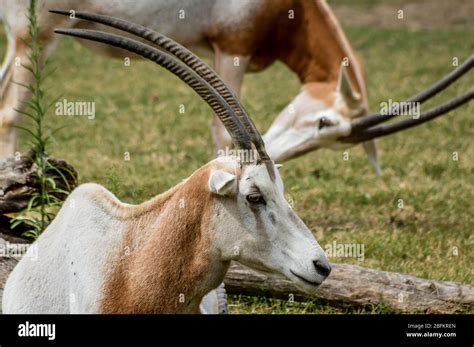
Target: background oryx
[
  {"x": 103, "y": 256},
  {"x": 241, "y": 36}
]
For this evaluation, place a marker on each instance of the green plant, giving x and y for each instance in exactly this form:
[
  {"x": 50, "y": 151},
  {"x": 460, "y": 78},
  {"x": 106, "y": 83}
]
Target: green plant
[
  {"x": 44, "y": 202},
  {"x": 113, "y": 179}
]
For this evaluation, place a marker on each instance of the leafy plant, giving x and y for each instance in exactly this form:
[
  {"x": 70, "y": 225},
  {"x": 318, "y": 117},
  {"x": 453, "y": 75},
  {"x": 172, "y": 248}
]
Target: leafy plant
[
  {"x": 113, "y": 179},
  {"x": 45, "y": 202}
]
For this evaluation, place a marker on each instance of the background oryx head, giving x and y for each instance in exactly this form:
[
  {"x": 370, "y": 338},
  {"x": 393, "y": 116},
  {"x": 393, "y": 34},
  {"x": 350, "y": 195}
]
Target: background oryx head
[
  {"x": 255, "y": 226},
  {"x": 252, "y": 222},
  {"x": 316, "y": 118},
  {"x": 328, "y": 116}
]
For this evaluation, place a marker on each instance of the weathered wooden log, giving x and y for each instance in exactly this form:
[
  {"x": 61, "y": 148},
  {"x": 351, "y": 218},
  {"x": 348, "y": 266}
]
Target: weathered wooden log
[
  {"x": 18, "y": 180},
  {"x": 358, "y": 286}
]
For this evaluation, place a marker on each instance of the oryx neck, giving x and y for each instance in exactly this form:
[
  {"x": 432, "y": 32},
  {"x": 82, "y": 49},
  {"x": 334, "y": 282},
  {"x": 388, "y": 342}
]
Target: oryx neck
[
  {"x": 318, "y": 45},
  {"x": 165, "y": 262}
]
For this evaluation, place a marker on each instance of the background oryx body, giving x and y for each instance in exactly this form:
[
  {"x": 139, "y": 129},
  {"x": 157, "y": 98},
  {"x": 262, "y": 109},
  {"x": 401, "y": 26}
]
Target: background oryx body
[
  {"x": 102, "y": 256},
  {"x": 240, "y": 36}
]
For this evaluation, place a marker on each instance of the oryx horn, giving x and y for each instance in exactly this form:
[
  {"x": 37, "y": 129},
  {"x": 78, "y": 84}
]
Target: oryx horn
[
  {"x": 363, "y": 128},
  {"x": 186, "y": 57}
]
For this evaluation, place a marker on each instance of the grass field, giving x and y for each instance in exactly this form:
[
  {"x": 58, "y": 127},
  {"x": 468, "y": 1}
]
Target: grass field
[{"x": 137, "y": 111}]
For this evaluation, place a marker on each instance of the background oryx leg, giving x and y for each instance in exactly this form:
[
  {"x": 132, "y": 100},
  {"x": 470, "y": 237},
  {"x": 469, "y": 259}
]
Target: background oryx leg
[
  {"x": 370, "y": 148},
  {"x": 231, "y": 68},
  {"x": 9, "y": 57},
  {"x": 13, "y": 96},
  {"x": 12, "y": 72},
  {"x": 7, "y": 132}
]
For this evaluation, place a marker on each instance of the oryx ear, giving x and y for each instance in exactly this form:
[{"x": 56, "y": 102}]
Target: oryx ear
[
  {"x": 221, "y": 182},
  {"x": 344, "y": 87}
]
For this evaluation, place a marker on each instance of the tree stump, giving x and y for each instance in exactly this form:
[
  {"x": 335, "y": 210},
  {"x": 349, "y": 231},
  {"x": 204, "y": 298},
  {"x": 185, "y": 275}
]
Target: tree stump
[{"x": 18, "y": 181}]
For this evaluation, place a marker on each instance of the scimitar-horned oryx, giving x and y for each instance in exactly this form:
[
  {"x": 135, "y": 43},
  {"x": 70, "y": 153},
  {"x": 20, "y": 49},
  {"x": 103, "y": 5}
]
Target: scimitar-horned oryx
[{"x": 100, "y": 255}]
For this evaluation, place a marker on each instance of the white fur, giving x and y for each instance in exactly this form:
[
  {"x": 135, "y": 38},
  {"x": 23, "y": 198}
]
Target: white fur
[
  {"x": 279, "y": 246},
  {"x": 221, "y": 182},
  {"x": 72, "y": 259},
  {"x": 295, "y": 131}
]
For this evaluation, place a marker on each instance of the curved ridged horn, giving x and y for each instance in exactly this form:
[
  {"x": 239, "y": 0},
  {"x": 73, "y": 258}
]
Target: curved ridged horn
[
  {"x": 387, "y": 129},
  {"x": 189, "y": 59},
  {"x": 228, "y": 117},
  {"x": 377, "y": 118}
]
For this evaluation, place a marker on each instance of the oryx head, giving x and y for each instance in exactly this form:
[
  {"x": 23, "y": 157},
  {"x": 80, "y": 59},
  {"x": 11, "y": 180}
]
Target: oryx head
[
  {"x": 255, "y": 225},
  {"x": 252, "y": 223},
  {"x": 334, "y": 117},
  {"x": 317, "y": 117}
]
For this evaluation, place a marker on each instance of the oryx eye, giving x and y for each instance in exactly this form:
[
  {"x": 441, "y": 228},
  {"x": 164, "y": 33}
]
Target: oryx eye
[
  {"x": 256, "y": 198},
  {"x": 324, "y": 122}
]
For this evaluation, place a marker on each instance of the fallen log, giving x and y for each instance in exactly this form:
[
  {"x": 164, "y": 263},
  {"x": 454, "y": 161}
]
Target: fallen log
[
  {"x": 358, "y": 286},
  {"x": 18, "y": 180}
]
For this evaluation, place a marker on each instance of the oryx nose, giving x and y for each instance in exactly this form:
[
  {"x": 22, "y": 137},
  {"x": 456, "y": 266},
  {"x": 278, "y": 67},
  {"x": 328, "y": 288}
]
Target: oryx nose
[{"x": 322, "y": 267}]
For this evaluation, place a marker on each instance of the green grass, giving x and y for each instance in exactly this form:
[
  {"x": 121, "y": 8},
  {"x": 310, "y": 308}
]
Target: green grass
[
  {"x": 241, "y": 304},
  {"x": 366, "y": 4},
  {"x": 138, "y": 112}
]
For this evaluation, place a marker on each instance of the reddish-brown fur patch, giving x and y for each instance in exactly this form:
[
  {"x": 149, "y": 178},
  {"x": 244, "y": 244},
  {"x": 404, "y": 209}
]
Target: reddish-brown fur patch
[
  {"x": 312, "y": 44},
  {"x": 325, "y": 92},
  {"x": 165, "y": 253}
]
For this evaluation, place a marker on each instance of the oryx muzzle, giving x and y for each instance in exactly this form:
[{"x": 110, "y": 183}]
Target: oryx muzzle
[{"x": 366, "y": 128}]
